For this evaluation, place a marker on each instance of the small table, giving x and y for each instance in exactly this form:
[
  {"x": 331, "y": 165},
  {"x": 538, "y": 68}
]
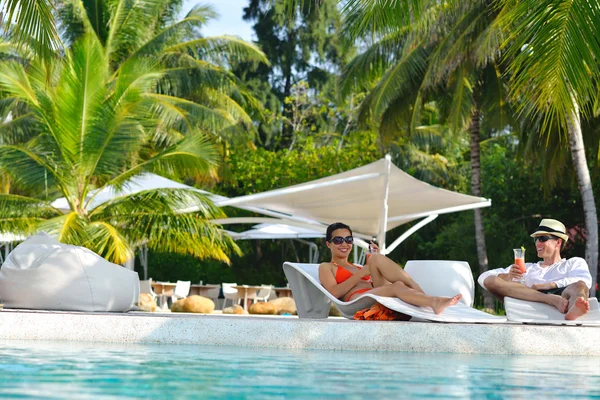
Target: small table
[
  {"x": 161, "y": 289},
  {"x": 203, "y": 290},
  {"x": 245, "y": 289},
  {"x": 283, "y": 291}
]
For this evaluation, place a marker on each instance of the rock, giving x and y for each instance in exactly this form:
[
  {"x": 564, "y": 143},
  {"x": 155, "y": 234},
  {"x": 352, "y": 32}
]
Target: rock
[
  {"x": 235, "y": 309},
  {"x": 263, "y": 308},
  {"x": 194, "y": 304},
  {"x": 284, "y": 305},
  {"x": 177, "y": 306},
  {"x": 146, "y": 302},
  {"x": 334, "y": 312}
]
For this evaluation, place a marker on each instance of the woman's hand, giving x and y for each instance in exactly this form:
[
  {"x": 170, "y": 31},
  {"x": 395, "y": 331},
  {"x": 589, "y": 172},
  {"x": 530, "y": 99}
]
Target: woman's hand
[
  {"x": 364, "y": 271},
  {"x": 374, "y": 246}
]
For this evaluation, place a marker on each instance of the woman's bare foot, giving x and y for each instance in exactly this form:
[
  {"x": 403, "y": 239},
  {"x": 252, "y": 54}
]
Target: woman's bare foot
[
  {"x": 579, "y": 308},
  {"x": 441, "y": 303},
  {"x": 559, "y": 302}
]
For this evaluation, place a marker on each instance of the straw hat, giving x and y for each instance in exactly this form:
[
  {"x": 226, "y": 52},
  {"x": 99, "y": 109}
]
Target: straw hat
[{"x": 551, "y": 227}]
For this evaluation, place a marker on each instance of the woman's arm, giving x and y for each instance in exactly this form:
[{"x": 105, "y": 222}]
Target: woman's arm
[{"x": 327, "y": 278}]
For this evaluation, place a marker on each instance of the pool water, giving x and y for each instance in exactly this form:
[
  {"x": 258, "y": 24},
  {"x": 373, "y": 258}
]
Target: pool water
[{"x": 65, "y": 370}]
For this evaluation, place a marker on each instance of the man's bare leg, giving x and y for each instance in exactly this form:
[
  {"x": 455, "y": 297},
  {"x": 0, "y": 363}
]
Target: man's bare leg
[
  {"x": 577, "y": 293},
  {"x": 501, "y": 288}
]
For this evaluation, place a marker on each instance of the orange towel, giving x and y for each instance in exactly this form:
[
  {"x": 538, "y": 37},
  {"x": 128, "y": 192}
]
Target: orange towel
[{"x": 377, "y": 312}]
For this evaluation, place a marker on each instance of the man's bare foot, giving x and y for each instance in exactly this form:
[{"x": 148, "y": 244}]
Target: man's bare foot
[
  {"x": 559, "y": 302},
  {"x": 579, "y": 308},
  {"x": 441, "y": 303}
]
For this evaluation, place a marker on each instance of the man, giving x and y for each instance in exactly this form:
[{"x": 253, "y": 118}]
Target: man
[{"x": 557, "y": 281}]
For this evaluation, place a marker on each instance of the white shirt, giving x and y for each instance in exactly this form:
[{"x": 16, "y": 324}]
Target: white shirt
[{"x": 563, "y": 273}]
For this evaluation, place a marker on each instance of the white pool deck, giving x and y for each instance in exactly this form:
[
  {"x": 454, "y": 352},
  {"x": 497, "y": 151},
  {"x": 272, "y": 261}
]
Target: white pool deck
[{"x": 294, "y": 333}]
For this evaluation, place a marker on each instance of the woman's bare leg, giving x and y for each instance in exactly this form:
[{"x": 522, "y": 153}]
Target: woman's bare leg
[
  {"x": 412, "y": 296},
  {"x": 384, "y": 271}
]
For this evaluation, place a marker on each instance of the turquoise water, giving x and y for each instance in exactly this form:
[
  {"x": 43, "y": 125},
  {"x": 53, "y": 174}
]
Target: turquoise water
[{"x": 64, "y": 370}]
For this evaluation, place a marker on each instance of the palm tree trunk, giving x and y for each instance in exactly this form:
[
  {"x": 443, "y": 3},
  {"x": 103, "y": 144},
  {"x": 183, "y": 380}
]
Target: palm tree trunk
[
  {"x": 475, "y": 133},
  {"x": 587, "y": 194}
]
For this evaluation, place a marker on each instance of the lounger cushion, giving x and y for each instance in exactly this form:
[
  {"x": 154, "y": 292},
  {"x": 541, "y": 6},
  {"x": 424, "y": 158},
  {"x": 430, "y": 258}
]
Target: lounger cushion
[
  {"x": 532, "y": 312},
  {"x": 313, "y": 300},
  {"x": 444, "y": 278},
  {"x": 44, "y": 274}
]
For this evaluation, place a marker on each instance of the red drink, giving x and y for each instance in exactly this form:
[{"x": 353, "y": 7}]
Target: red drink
[{"x": 520, "y": 262}]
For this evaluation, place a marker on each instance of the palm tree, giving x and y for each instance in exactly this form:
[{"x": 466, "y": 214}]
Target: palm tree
[
  {"x": 554, "y": 72},
  {"x": 450, "y": 56},
  {"x": 105, "y": 116}
]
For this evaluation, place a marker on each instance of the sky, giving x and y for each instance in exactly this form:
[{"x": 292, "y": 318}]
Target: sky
[{"x": 230, "y": 21}]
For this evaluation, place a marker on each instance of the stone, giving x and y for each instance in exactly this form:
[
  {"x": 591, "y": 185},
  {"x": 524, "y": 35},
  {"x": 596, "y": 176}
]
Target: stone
[
  {"x": 194, "y": 304},
  {"x": 235, "y": 309},
  {"x": 146, "y": 302},
  {"x": 334, "y": 312},
  {"x": 262, "y": 308},
  {"x": 284, "y": 305}
]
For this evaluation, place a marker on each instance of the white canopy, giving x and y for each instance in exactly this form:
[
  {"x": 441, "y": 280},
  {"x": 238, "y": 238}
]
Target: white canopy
[
  {"x": 277, "y": 231},
  {"x": 371, "y": 199},
  {"x": 140, "y": 183}
]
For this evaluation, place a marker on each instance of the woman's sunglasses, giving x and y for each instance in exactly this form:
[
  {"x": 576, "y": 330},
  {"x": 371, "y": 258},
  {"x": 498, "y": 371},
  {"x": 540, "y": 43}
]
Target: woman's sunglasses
[
  {"x": 339, "y": 240},
  {"x": 544, "y": 239}
]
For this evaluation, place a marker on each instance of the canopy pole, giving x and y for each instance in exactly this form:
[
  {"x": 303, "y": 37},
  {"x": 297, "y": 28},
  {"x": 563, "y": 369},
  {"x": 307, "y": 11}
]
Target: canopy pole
[
  {"x": 384, "y": 211},
  {"x": 144, "y": 260},
  {"x": 410, "y": 231}
]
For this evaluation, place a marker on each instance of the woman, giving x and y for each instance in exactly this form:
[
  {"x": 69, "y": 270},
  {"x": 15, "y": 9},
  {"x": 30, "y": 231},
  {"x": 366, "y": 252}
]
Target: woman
[{"x": 380, "y": 276}]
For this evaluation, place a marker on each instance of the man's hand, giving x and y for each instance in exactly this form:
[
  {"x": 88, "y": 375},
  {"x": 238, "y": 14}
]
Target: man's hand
[
  {"x": 514, "y": 273},
  {"x": 544, "y": 286}
]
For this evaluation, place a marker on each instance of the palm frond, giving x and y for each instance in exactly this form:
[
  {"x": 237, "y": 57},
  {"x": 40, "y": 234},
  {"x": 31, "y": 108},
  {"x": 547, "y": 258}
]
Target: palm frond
[
  {"x": 27, "y": 167},
  {"x": 398, "y": 81},
  {"x": 80, "y": 117},
  {"x": 153, "y": 217},
  {"x": 555, "y": 51},
  {"x": 21, "y": 215},
  {"x": 361, "y": 72},
  {"x": 107, "y": 241},
  {"x": 222, "y": 50},
  {"x": 171, "y": 108},
  {"x": 32, "y": 21},
  {"x": 196, "y": 18},
  {"x": 368, "y": 17},
  {"x": 130, "y": 26},
  {"x": 193, "y": 155},
  {"x": 460, "y": 106},
  {"x": 67, "y": 228},
  {"x": 19, "y": 129}
]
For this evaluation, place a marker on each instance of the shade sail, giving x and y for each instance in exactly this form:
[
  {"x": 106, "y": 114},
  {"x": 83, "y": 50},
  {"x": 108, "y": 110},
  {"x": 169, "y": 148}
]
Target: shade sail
[
  {"x": 371, "y": 199},
  {"x": 277, "y": 231},
  {"x": 139, "y": 183}
]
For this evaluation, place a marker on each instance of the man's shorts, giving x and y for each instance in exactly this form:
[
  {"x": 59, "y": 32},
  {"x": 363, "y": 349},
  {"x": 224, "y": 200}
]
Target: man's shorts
[{"x": 557, "y": 291}]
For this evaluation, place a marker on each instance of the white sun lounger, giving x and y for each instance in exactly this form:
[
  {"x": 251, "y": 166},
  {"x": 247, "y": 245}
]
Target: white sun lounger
[
  {"x": 313, "y": 300},
  {"x": 532, "y": 312}
]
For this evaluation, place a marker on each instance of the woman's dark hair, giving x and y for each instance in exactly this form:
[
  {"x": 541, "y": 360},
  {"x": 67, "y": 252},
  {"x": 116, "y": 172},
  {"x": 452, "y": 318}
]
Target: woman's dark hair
[{"x": 333, "y": 227}]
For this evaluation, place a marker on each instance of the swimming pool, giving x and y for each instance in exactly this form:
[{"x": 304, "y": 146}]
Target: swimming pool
[{"x": 68, "y": 370}]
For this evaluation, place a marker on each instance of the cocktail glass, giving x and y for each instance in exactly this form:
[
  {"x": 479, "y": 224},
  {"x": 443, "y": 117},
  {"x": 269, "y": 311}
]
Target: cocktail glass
[{"x": 371, "y": 250}]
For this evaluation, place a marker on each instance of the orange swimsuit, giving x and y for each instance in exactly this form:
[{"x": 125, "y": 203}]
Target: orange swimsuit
[{"x": 342, "y": 274}]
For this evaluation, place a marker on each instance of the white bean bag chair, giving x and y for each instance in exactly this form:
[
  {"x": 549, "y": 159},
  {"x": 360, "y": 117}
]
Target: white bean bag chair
[{"x": 44, "y": 274}]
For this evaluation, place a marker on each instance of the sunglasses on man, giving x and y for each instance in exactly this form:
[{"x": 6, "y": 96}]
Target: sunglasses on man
[
  {"x": 544, "y": 239},
  {"x": 339, "y": 240}
]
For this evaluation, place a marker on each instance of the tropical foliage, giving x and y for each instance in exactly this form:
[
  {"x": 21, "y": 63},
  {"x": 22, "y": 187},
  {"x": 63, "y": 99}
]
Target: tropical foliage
[{"x": 115, "y": 106}]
